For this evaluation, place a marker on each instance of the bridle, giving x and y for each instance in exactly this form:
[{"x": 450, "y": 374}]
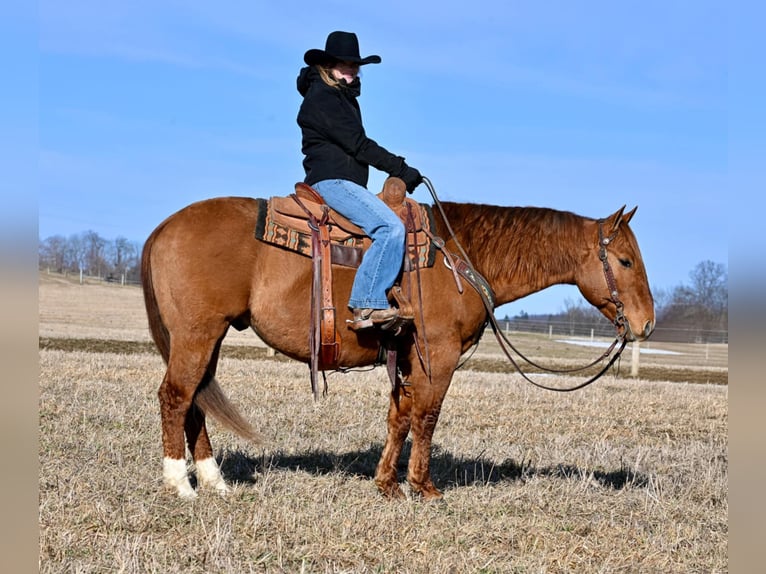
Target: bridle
[
  {"x": 603, "y": 242},
  {"x": 464, "y": 267}
]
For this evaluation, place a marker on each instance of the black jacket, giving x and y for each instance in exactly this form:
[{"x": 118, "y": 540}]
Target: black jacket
[{"x": 334, "y": 141}]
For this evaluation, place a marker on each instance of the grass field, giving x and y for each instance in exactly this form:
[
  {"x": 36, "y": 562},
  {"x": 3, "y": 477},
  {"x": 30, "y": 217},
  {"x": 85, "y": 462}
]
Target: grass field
[{"x": 628, "y": 475}]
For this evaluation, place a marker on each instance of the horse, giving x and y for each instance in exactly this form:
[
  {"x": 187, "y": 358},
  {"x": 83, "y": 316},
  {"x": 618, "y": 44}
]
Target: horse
[{"x": 202, "y": 272}]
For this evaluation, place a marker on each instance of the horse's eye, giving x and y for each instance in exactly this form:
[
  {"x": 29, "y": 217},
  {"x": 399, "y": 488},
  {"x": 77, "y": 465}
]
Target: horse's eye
[{"x": 626, "y": 263}]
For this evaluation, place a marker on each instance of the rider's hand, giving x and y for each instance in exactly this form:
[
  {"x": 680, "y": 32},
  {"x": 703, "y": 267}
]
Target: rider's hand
[{"x": 411, "y": 178}]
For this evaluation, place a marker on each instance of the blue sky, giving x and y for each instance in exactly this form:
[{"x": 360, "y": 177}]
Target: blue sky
[{"x": 145, "y": 107}]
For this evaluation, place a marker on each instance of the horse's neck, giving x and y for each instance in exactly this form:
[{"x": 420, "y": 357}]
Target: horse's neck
[{"x": 519, "y": 250}]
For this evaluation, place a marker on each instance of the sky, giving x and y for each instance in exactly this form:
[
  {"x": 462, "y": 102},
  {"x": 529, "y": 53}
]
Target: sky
[{"x": 145, "y": 107}]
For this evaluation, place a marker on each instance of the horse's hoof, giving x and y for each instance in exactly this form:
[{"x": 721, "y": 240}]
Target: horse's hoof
[
  {"x": 391, "y": 491},
  {"x": 210, "y": 476},
  {"x": 220, "y": 487},
  {"x": 175, "y": 477},
  {"x": 187, "y": 494},
  {"x": 434, "y": 496},
  {"x": 184, "y": 492},
  {"x": 428, "y": 493}
]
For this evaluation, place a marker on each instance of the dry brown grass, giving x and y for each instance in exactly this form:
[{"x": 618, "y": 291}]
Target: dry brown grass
[{"x": 624, "y": 476}]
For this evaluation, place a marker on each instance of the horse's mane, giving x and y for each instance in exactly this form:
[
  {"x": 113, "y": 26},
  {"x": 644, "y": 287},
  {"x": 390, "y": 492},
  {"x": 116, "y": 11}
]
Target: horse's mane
[{"x": 538, "y": 241}]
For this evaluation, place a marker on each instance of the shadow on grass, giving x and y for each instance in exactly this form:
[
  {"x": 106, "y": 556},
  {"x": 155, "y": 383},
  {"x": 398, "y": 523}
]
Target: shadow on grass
[{"x": 447, "y": 470}]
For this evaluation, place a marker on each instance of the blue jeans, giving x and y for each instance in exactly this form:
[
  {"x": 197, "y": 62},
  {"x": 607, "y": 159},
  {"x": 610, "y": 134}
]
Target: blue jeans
[{"x": 383, "y": 260}]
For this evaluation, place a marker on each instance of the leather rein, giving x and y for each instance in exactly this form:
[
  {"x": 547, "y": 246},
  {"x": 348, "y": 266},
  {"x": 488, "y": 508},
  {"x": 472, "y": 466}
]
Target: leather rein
[{"x": 465, "y": 268}]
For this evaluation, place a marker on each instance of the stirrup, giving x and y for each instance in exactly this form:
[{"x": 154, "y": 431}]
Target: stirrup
[
  {"x": 393, "y": 323},
  {"x": 397, "y": 325},
  {"x": 367, "y": 318}
]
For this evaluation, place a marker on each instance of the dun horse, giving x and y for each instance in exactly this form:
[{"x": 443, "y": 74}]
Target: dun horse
[{"x": 203, "y": 271}]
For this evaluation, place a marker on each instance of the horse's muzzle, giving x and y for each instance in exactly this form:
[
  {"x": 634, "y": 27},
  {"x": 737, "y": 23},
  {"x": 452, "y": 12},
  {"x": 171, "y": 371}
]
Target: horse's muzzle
[{"x": 630, "y": 335}]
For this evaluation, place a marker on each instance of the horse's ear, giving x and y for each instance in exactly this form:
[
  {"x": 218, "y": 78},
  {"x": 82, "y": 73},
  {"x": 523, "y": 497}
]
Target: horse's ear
[
  {"x": 628, "y": 216},
  {"x": 613, "y": 221}
]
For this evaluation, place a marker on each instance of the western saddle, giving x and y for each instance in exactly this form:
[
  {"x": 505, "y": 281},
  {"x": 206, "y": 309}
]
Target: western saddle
[{"x": 303, "y": 222}]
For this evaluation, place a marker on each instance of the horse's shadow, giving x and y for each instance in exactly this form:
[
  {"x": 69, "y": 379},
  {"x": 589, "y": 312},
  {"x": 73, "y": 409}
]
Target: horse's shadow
[{"x": 447, "y": 471}]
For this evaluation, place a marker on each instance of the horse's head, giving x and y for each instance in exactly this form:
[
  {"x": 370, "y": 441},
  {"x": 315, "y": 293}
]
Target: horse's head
[{"x": 614, "y": 277}]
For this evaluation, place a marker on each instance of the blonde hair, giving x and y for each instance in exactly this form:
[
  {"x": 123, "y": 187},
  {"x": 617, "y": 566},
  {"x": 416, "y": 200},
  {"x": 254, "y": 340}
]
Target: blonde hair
[
  {"x": 325, "y": 72},
  {"x": 327, "y": 77}
]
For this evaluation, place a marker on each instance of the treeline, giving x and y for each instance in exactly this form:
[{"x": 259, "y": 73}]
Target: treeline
[
  {"x": 693, "y": 312},
  {"x": 88, "y": 253},
  {"x": 700, "y": 306}
]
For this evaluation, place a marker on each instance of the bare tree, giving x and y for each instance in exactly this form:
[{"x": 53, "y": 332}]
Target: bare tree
[
  {"x": 710, "y": 286},
  {"x": 94, "y": 253},
  {"x": 702, "y": 306},
  {"x": 122, "y": 257},
  {"x": 52, "y": 253},
  {"x": 75, "y": 254}
]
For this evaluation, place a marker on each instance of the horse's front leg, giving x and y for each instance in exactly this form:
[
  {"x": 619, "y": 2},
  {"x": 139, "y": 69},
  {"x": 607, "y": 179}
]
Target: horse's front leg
[
  {"x": 398, "y": 428},
  {"x": 427, "y": 398}
]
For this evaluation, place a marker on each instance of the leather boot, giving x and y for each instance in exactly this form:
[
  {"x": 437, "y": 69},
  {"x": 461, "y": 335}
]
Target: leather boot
[{"x": 366, "y": 318}]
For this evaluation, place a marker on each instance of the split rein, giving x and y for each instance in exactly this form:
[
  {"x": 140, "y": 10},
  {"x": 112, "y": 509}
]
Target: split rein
[{"x": 466, "y": 270}]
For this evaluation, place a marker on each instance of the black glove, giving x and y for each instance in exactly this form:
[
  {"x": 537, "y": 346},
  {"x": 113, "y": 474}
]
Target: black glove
[{"x": 411, "y": 178}]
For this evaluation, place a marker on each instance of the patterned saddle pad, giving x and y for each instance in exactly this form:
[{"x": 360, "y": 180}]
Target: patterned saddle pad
[{"x": 283, "y": 222}]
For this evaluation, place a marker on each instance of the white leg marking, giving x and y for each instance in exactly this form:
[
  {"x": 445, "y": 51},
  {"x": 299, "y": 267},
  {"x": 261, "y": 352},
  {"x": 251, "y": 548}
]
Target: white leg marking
[
  {"x": 174, "y": 474},
  {"x": 210, "y": 475}
]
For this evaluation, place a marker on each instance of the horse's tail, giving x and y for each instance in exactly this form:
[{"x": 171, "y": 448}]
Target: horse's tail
[
  {"x": 211, "y": 399},
  {"x": 209, "y": 396}
]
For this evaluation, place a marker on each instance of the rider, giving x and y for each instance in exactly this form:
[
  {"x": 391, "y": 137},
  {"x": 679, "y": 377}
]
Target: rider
[{"x": 338, "y": 154}]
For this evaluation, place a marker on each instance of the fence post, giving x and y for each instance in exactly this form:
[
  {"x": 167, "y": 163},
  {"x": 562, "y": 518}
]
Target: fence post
[
  {"x": 634, "y": 359},
  {"x": 550, "y": 331}
]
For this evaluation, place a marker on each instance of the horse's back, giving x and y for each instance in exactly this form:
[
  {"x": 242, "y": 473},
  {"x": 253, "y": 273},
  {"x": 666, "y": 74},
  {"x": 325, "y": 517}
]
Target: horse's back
[
  {"x": 212, "y": 230},
  {"x": 211, "y": 216}
]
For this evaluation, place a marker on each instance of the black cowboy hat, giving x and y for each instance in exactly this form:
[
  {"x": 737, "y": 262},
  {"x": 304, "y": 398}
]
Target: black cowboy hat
[{"x": 339, "y": 47}]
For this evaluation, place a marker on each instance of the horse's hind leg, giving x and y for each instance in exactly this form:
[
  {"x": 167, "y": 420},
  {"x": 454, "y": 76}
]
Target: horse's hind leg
[
  {"x": 188, "y": 365},
  {"x": 198, "y": 440}
]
